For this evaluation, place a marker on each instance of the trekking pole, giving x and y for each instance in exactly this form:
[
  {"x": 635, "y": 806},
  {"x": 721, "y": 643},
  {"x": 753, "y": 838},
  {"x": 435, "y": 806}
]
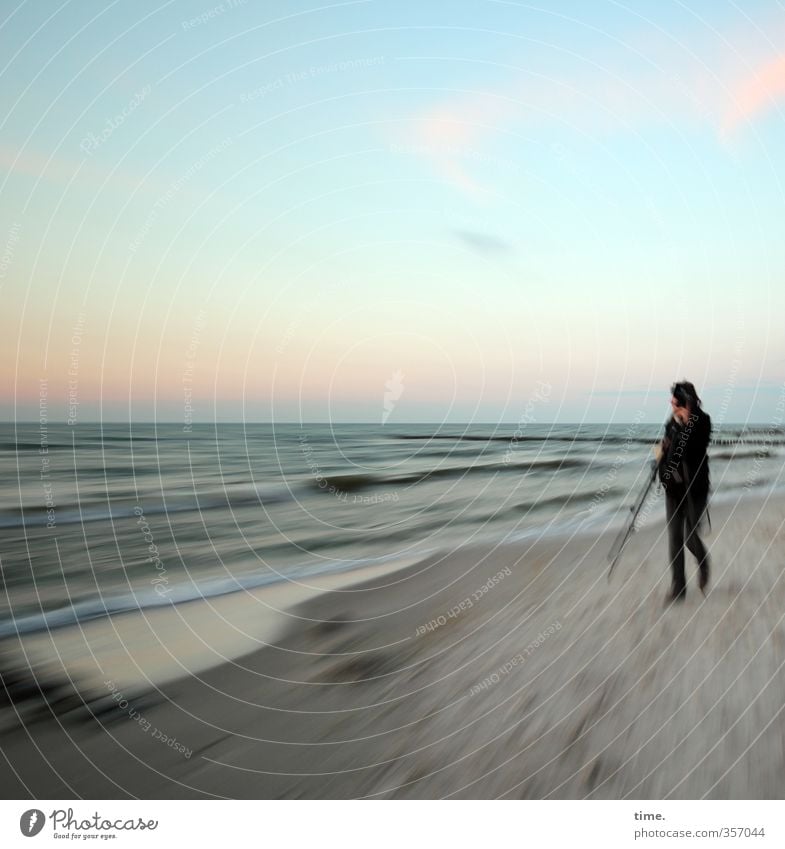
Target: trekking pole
[{"x": 624, "y": 535}]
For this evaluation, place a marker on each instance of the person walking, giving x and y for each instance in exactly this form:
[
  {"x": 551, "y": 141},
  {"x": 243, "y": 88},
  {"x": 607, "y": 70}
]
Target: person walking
[{"x": 684, "y": 475}]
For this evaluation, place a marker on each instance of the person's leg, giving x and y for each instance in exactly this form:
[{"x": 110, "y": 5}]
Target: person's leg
[
  {"x": 674, "y": 513},
  {"x": 695, "y": 544}
]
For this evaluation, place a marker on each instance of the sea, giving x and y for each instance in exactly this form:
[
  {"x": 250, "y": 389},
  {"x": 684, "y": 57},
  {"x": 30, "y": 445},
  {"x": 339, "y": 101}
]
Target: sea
[{"x": 98, "y": 518}]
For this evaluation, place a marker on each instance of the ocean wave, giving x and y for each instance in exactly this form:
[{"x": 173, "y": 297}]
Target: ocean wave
[
  {"x": 741, "y": 455},
  {"x": 133, "y": 472},
  {"x": 746, "y": 438},
  {"x": 369, "y": 480},
  {"x": 80, "y": 442},
  {"x": 70, "y": 514},
  {"x": 559, "y": 501},
  {"x": 32, "y": 446},
  {"x": 97, "y": 608},
  {"x": 471, "y": 437}
]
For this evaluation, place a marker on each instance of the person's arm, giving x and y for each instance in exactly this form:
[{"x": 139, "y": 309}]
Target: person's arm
[
  {"x": 662, "y": 453},
  {"x": 661, "y": 448},
  {"x": 698, "y": 443},
  {"x": 703, "y": 434}
]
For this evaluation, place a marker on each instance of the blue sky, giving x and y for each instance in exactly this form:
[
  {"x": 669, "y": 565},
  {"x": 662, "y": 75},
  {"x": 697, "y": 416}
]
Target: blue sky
[{"x": 295, "y": 202}]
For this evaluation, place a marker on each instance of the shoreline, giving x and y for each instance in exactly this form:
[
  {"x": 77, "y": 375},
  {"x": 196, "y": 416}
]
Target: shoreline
[{"x": 380, "y": 694}]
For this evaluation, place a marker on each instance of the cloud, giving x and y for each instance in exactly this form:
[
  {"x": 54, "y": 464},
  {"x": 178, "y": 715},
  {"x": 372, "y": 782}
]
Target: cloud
[
  {"x": 483, "y": 243},
  {"x": 451, "y": 134},
  {"x": 455, "y": 135},
  {"x": 30, "y": 163},
  {"x": 654, "y": 82},
  {"x": 60, "y": 169},
  {"x": 756, "y": 95}
]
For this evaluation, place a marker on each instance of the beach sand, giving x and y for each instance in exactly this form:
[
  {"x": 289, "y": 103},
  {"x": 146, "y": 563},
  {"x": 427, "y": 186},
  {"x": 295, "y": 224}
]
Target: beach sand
[{"x": 547, "y": 681}]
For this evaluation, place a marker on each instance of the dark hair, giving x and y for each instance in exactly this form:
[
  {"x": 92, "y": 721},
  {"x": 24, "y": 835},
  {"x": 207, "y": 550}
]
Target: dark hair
[{"x": 686, "y": 394}]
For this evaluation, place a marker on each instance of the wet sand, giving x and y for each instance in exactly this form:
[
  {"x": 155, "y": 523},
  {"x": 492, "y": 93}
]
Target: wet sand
[{"x": 513, "y": 671}]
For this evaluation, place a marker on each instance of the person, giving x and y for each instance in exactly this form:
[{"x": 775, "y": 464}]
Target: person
[{"x": 684, "y": 475}]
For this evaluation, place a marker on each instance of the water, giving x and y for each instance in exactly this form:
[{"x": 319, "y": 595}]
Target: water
[{"x": 100, "y": 518}]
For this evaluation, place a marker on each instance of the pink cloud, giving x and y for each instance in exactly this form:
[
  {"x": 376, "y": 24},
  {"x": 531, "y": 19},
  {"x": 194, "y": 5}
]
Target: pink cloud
[
  {"x": 60, "y": 169},
  {"x": 756, "y": 94},
  {"x": 451, "y": 132},
  {"x": 33, "y": 164},
  {"x": 453, "y": 135},
  {"x": 712, "y": 88}
]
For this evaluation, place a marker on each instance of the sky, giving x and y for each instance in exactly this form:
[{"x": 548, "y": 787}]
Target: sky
[{"x": 378, "y": 211}]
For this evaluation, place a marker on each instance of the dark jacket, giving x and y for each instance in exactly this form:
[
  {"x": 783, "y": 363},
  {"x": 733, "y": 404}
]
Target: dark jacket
[{"x": 684, "y": 469}]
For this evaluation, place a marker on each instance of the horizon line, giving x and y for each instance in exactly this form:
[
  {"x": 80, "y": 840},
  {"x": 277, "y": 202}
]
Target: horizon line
[{"x": 398, "y": 424}]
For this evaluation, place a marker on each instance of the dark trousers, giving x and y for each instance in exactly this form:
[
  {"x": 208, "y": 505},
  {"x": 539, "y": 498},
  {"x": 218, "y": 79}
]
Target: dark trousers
[{"x": 683, "y": 524}]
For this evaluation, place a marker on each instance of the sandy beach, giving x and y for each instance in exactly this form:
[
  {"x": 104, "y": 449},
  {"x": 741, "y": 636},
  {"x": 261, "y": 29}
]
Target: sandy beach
[{"x": 514, "y": 671}]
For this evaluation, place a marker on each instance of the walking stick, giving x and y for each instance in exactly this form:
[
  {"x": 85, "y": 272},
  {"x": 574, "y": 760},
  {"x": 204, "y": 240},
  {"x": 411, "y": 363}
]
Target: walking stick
[{"x": 621, "y": 540}]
